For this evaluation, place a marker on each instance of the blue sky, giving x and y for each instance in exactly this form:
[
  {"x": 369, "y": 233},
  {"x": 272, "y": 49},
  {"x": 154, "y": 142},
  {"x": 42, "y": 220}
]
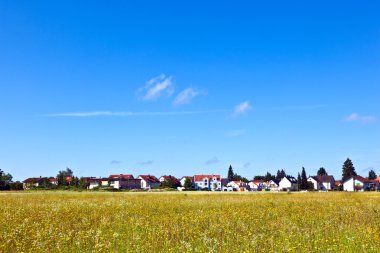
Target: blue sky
[{"x": 186, "y": 87}]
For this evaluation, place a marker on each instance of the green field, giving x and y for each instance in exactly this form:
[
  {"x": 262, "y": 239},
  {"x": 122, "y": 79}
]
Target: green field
[{"x": 189, "y": 222}]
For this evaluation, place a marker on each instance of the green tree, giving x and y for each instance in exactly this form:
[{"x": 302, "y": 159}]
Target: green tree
[
  {"x": 5, "y": 180},
  {"x": 348, "y": 170},
  {"x": 299, "y": 181},
  {"x": 303, "y": 179},
  {"x": 372, "y": 175},
  {"x": 63, "y": 175},
  {"x": 188, "y": 184},
  {"x": 230, "y": 174},
  {"x": 322, "y": 172},
  {"x": 268, "y": 177},
  {"x": 280, "y": 174}
]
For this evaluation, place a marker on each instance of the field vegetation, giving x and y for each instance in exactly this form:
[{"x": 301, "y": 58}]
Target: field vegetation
[{"x": 189, "y": 222}]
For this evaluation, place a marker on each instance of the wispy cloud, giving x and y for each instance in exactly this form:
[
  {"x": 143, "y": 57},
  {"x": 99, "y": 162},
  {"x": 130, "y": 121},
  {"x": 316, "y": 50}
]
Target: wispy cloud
[
  {"x": 146, "y": 163},
  {"x": 115, "y": 162},
  {"x": 292, "y": 107},
  {"x": 213, "y": 160},
  {"x": 185, "y": 96},
  {"x": 129, "y": 114},
  {"x": 156, "y": 87},
  {"x": 246, "y": 165},
  {"x": 355, "y": 117},
  {"x": 236, "y": 133},
  {"x": 242, "y": 108}
]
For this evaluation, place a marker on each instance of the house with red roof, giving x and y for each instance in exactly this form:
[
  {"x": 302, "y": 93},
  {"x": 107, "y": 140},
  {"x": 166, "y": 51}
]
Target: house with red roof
[
  {"x": 356, "y": 183},
  {"x": 183, "y": 179},
  {"x": 34, "y": 182},
  {"x": 322, "y": 183},
  {"x": 209, "y": 182},
  {"x": 148, "y": 181},
  {"x": 124, "y": 181},
  {"x": 172, "y": 180}
]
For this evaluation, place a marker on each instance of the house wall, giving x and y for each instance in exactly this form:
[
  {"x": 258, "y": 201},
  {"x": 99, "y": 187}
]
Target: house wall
[
  {"x": 351, "y": 183},
  {"x": 206, "y": 183},
  {"x": 315, "y": 183}
]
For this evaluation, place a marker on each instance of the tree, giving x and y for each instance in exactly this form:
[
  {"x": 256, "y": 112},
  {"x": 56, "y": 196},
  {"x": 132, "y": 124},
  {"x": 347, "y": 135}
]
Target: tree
[
  {"x": 280, "y": 174},
  {"x": 63, "y": 175},
  {"x": 303, "y": 179},
  {"x": 5, "y": 180},
  {"x": 268, "y": 177},
  {"x": 322, "y": 172},
  {"x": 231, "y": 174},
  {"x": 299, "y": 181},
  {"x": 188, "y": 184},
  {"x": 372, "y": 175},
  {"x": 258, "y": 178},
  {"x": 348, "y": 170}
]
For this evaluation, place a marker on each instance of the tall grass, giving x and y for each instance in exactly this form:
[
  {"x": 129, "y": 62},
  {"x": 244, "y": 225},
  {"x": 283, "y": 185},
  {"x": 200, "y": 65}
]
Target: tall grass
[{"x": 189, "y": 222}]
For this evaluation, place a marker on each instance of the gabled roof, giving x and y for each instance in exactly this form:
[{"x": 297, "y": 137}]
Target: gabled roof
[
  {"x": 35, "y": 179},
  {"x": 188, "y": 177},
  {"x": 209, "y": 177},
  {"x": 121, "y": 176},
  {"x": 359, "y": 178},
  {"x": 276, "y": 181},
  {"x": 323, "y": 179},
  {"x": 292, "y": 180},
  {"x": 170, "y": 178},
  {"x": 149, "y": 179}
]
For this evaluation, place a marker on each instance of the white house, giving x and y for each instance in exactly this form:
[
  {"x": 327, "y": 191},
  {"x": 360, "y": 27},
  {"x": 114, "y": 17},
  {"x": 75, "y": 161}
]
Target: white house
[
  {"x": 149, "y": 181},
  {"x": 257, "y": 185},
  {"x": 288, "y": 183},
  {"x": 355, "y": 183},
  {"x": 183, "y": 180},
  {"x": 237, "y": 186},
  {"x": 210, "y": 182},
  {"x": 274, "y": 185},
  {"x": 323, "y": 183}
]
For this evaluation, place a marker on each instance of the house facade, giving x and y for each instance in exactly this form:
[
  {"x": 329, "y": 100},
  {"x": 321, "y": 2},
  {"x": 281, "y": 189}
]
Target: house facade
[
  {"x": 209, "y": 182},
  {"x": 34, "y": 182},
  {"x": 322, "y": 183},
  {"x": 171, "y": 179},
  {"x": 183, "y": 180},
  {"x": 124, "y": 181},
  {"x": 148, "y": 181},
  {"x": 356, "y": 183},
  {"x": 288, "y": 183},
  {"x": 237, "y": 186}
]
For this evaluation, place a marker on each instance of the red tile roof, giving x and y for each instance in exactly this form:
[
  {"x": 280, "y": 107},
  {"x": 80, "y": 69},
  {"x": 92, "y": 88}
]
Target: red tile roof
[
  {"x": 202, "y": 177},
  {"x": 149, "y": 179},
  {"x": 122, "y": 176},
  {"x": 35, "y": 179}
]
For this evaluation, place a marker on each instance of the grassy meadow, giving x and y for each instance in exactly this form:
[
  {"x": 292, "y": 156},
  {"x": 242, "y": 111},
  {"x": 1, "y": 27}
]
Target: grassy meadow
[{"x": 189, "y": 222}]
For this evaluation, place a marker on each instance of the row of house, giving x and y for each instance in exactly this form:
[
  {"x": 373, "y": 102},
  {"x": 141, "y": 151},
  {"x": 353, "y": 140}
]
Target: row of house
[{"x": 212, "y": 182}]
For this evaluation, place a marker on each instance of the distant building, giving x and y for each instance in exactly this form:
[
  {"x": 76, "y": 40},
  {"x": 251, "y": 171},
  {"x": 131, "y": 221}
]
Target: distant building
[
  {"x": 356, "y": 183},
  {"x": 183, "y": 179},
  {"x": 124, "y": 181},
  {"x": 288, "y": 183},
  {"x": 34, "y": 182},
  {"x": 210, "y": 182},
  {"x": 322, "y": 183},
  {"x": 149, "y": 181}
]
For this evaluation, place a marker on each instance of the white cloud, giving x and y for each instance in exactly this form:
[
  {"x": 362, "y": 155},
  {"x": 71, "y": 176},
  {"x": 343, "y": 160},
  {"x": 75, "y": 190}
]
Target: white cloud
[
  {"x": 355, "y": 117},
  {"x": 156, "y": 87},
  {"x": 213, "y": 160},
  {"x": 186, "y": 96},
  {"x": 242, "y": 108},
  {"x": 128, "y": 114},
  {"x": 150, "y": 162}
]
